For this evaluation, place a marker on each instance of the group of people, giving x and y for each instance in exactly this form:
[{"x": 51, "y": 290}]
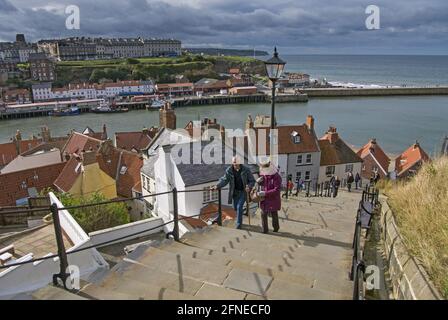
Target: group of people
[
  {"x": 242, "y": 185},
  {"x": 267, "y": 188}
]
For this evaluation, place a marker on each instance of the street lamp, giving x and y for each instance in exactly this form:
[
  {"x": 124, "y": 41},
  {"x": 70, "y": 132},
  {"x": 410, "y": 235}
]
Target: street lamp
[{"x": 274, "y": 70}]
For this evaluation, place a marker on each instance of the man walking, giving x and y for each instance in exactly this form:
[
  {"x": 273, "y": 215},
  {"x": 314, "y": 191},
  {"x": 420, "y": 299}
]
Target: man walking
[
  {"x": 241, "y": 181},
  {"x": 350, "y": 180}
]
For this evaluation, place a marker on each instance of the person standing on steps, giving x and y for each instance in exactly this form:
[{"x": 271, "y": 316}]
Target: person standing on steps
[
  {"x": 271, "y": 184},
  {"x": 350, "y": 180},
  {"x": 335, "y": 187},
  {"x": 357, "y": 180},
  {"x": 241, "y": 181}
]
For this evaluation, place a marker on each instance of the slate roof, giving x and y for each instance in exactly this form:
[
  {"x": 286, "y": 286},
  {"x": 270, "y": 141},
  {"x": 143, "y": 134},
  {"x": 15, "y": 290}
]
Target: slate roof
[{"x": 195, "y": 174}]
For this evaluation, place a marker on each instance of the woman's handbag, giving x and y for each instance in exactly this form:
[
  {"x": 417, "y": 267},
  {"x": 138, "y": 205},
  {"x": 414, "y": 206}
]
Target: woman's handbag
[{"x": 254, "y": 194}]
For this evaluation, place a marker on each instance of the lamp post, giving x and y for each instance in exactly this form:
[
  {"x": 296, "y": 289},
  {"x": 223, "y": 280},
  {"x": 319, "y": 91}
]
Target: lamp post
[{"x": 274, "y": 69}]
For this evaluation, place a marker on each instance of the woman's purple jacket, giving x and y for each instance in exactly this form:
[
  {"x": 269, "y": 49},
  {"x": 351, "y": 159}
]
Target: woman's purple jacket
[{"x": 271, "y": 186}]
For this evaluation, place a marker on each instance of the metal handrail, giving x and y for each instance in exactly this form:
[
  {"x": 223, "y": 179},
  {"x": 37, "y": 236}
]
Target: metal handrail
[{"x": 58, "y": 231}]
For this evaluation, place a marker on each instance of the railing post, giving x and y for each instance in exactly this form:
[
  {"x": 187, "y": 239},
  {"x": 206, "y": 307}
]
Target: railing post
[
  {"x": 176, "y": 216},
  {"x": 63, "y": 263},
  {"x": 308, "y": 189},
  {"x": 220, "y": 207}
]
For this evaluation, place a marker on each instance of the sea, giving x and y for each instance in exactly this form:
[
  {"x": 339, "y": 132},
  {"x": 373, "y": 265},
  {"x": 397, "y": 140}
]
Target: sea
[{"x": 395, "y": 121}]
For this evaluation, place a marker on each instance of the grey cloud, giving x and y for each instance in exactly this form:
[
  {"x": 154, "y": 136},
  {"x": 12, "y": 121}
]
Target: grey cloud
[{"x": 324, "y": 24}]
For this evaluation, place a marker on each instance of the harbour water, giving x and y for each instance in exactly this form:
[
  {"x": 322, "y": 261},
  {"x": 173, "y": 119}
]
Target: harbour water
[{"x": 396, "y": 122}]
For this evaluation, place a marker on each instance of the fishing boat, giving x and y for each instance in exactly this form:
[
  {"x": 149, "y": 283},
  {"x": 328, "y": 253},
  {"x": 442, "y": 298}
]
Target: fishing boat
[
  {"x": 157, "y": 104},
  {"x": 107, "y": 109},
  {"x": 72, "y": 111}
]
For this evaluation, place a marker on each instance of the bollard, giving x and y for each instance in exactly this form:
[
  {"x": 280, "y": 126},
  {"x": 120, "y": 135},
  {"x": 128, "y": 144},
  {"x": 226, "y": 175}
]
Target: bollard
[{"x": 176, "y": 216}]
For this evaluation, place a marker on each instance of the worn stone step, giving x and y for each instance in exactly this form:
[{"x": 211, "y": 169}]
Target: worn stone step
[
  {"x": 51, "y": 292},
  {"x": 197, "y": 252},
  {"x": 123, "y": 288},
  {"x": 177, "y": 263},
  {"x": 284, "y": 290},
  {"x": 213, "y": 292},
  {"x": 246, "y": 240}
]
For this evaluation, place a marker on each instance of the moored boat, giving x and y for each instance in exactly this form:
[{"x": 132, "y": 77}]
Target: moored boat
[{"x": 72, "y": 111}]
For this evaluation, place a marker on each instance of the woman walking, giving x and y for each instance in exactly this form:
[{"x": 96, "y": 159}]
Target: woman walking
[{"x": 270, "y": 183}]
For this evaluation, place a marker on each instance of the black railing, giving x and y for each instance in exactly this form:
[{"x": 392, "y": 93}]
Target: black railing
[
  {"x": 62, "y": 253},
  {"x": 367, "y": 204}
]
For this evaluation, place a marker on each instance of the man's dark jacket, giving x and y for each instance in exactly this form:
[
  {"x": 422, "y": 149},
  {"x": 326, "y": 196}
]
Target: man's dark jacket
[{"x": 228, "y": 178}]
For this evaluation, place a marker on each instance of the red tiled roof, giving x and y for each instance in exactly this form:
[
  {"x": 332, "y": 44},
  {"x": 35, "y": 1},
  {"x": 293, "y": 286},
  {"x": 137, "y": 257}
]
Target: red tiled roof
[
  {"x": 134, "y": 140},
  {"x": 410, "y": 157},
  {"x": 286, "y": 145},
  {"x": 64, "y": 182},
  {"x": 335, "y": 151},
  {"x": 78, "y": 142},
  {"x": 375, "y": 151},
  {"x": 127, "y": 180},
  {"x": 14, "y": 185},
  {"x": 208, "y": 212},
  {"x": 8, "y": 151},
  {"x": 123, "y": 166}
]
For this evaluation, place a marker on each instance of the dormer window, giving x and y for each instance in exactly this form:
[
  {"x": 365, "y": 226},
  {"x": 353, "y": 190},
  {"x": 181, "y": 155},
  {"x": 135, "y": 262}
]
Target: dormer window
[
  {"x": 296, "y": 137},
  {"x": 123, "y": 170}
]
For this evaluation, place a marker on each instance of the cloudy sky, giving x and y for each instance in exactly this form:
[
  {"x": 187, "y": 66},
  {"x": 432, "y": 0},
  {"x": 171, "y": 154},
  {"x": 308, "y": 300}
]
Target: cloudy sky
[{"x": 295, "y": 26}]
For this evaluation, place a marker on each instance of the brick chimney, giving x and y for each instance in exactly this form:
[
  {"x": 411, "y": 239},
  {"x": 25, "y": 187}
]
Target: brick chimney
[
  {"x": 45, "y": 134},
  {"x": 17, "y": 139},
  {"x": 104, "y": 134},
  {"x": 332, "y": 135},
  {"x": 167, "y": 117},
  {"x": 249, "y": 122},
  {"x": 310, "y": 122}
]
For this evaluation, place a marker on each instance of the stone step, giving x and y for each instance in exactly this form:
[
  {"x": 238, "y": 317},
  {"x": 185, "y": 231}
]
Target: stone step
[
  {"x": 51, "y": 292},
  {"x": 284, "y": 290},
  {"x": 124, "y": 288},
  {"x": 234, "y": 261},
  {"x": 197, "y": 252},
  {"x": 243, "y": 240},
  {"x": 176, "y": 263}
]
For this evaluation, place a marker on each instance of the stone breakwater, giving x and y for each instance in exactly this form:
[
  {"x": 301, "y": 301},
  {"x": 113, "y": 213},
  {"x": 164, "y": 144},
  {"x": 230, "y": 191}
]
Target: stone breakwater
[{"x": 366, "y": 92}]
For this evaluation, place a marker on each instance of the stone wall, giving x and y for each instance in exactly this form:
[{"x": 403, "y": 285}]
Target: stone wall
[
  {"x": 341, "y": 92},
  {"x": 408, "y": 278}
]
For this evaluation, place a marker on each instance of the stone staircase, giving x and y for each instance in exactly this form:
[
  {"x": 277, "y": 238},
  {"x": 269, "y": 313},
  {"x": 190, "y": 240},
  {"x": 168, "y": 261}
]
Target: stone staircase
[{"x": 308, "y": 259}]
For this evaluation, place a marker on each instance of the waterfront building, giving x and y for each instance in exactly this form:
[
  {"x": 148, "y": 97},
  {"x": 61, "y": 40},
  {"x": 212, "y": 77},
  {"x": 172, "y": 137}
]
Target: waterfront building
[
  {"x": 243, "y": 90},
  {"x": 337, "y": 158},
  {"x": 207, "y": 86},
  {"x": 374, "y": 160},
  {"x": 42, "y": 91},
  {"x": 175, "y": 89},
  {"x": 19, "y": 96},
  {"x": 408, "y": 163}
]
